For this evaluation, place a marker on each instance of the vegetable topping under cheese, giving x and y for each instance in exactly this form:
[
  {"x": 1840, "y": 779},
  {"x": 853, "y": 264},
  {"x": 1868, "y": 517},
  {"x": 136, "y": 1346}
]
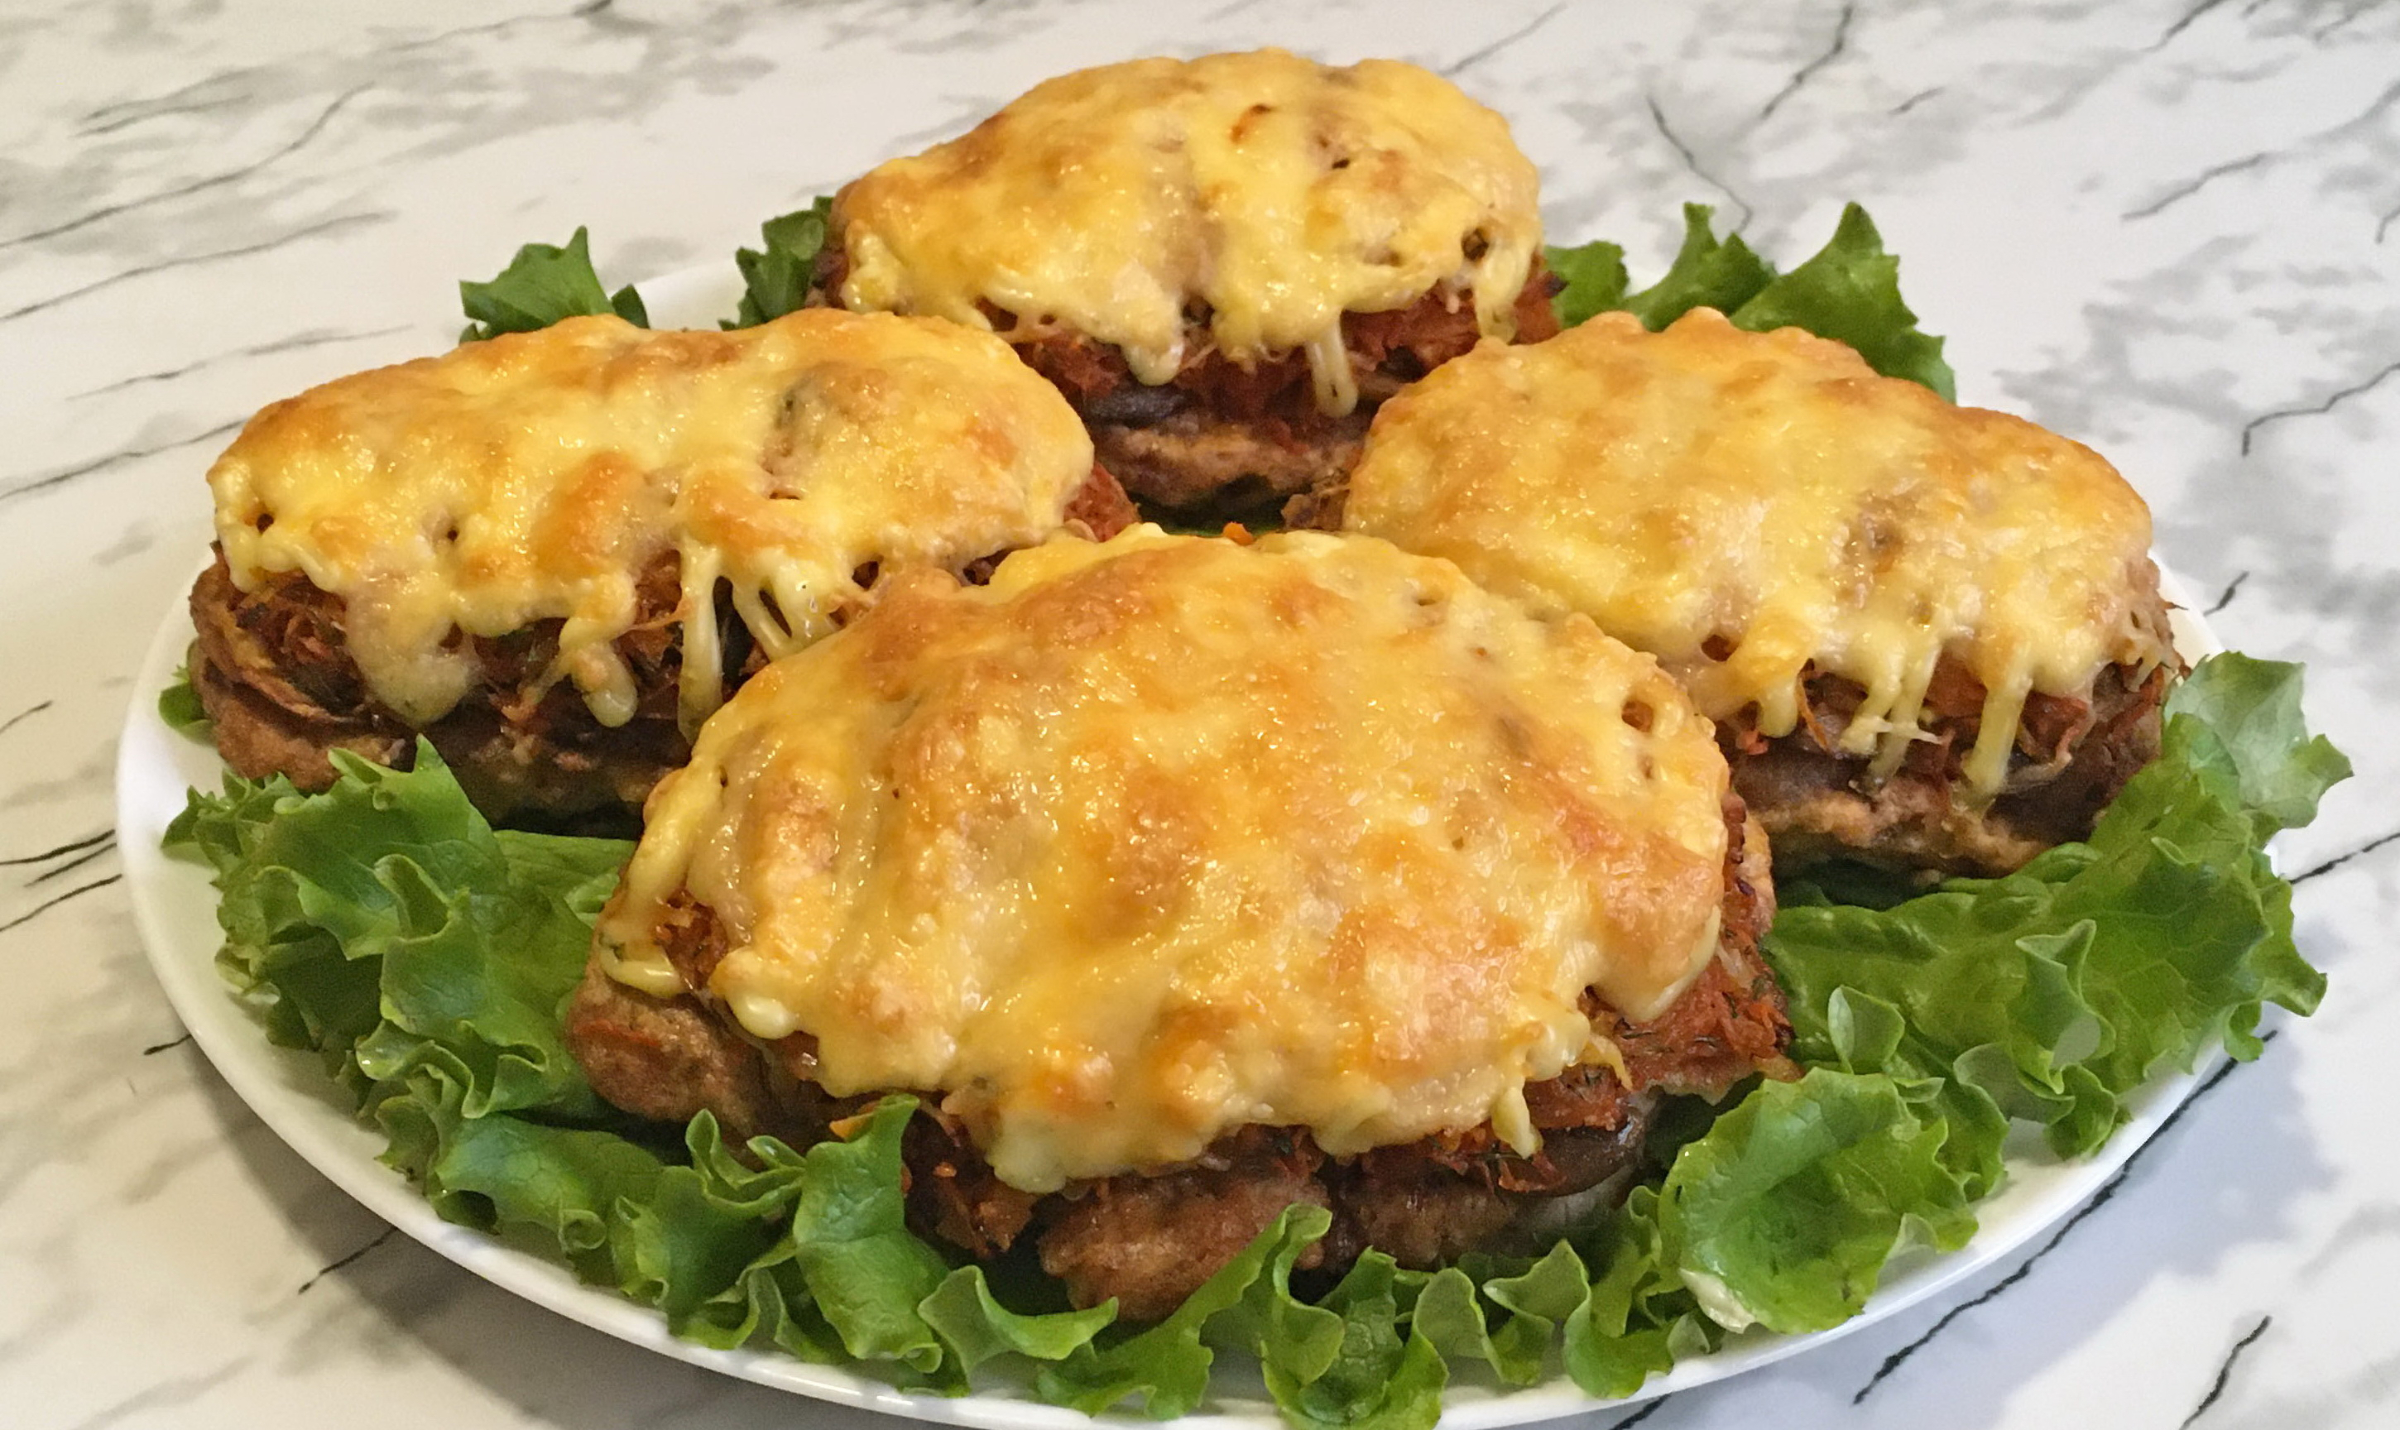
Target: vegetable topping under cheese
[
  {"x": 535, "y": 476},
  {"x": 1267, "y": 191},
  {"x": 1705, "y": 487},
  {"x": 1154, "y": 839}
]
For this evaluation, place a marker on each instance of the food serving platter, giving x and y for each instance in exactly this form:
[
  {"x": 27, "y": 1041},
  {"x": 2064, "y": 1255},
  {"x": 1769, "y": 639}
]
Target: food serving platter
[{"x": 175, "y": 909}]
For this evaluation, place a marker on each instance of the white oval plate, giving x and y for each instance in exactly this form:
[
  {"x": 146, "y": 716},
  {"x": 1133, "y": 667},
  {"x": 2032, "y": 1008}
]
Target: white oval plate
[{"x": 175, "y": 908}]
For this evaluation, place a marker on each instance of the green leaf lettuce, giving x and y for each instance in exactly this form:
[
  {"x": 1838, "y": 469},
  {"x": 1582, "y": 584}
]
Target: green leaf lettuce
[
  {"x": 2055, "y": 992},
  {"x": 541, "y": 285},
  {"x": 179, "y": 705},
  {"x": 776, "y": 275},
  {"x": 1848, "y": 291}
]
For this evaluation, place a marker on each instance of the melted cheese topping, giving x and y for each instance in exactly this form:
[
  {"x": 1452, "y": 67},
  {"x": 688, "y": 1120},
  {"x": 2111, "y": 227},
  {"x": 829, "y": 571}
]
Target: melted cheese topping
[
  {"x": 537, "y": 475},
  {"x": 1277, "y": 192},
  {"x": 1160, "y": 838},
  {"x": 1772, "y": 490}
]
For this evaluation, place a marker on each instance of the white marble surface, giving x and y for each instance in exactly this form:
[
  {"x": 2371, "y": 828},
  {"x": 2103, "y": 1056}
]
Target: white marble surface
[{"x": 2170, "y": 229}]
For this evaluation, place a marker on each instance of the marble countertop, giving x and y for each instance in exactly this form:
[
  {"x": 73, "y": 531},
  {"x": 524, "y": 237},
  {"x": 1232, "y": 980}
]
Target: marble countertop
[{"x": 2169, "y": 229}]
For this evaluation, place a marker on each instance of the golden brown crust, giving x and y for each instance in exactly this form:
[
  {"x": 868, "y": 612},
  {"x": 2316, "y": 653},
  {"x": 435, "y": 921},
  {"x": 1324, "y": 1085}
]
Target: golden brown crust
[
  {"x": 1225, "y": 264},
  {"x": 1198, "y": 462},
  {"x": 1259, "y": 195},
  {"x": 1149, "y": 1242},
  {"x": 1750, "y": 507},
  {"x": 669, "y": 1059},
  {"x": 1818, "y": 803}
]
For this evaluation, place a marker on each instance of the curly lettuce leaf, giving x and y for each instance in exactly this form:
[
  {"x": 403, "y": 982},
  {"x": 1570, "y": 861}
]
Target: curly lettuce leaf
[
  {"x": 2252, "y": 707},
  {"x": 1636, "y": 1318},
  {"x": 179, "y": 705},
  {"x": 867, "y": 1272},
  {"x": 970, "y": 1319},
  {"x": 1708, "y": 272},
  {"x": 1591, "y": 278},
  {"x": 2055, "y": 992},
  {"x": 1382, "y": 1376},
  {"x": 386, "y": 924},
  {"x": 428, "y": 957},
  {"x": 776, "y": 276},
  {"x": 1784, "y": 1214},
  {"x": 1848, "y": 291},
  {"x": 1449, "y": 1310},
  {"x": 2047, "y": 997},
  {"x": 1165, "y": 1367},
  {"x": 541, "y": 285}
]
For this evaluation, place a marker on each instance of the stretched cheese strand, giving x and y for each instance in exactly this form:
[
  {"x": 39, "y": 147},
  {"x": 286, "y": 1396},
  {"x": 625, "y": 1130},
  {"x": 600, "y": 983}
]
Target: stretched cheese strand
[{"x": 538, "y": 476}]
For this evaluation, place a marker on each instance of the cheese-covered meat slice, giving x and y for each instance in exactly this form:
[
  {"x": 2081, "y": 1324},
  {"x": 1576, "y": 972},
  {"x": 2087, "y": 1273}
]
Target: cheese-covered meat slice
[
  {"x": 1191, "y": 249},
  {"x": 538, "y": 477},
  {"x": 1151, "y": 841},
  {"x": 1817, "y": 552}
]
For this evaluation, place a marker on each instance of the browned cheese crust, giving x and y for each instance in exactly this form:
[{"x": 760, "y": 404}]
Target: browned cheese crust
[
  {"x": 1816, "y": 802},
  {"x": 1225, "y": 262}
]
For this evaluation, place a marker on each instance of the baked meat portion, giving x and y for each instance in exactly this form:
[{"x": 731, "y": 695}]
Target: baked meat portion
[
  {"x": 1930, "y": 636},
  {"x": 1224, "y": 262},
  {"x": 470, "y": 545},
  {"x": 1149, "y": 1239},
  {"x": 274, "y": 671}
]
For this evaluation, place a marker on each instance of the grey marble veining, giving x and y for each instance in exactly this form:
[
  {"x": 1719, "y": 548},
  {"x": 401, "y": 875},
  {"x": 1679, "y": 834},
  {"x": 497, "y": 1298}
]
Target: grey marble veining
[{"x": 2171, "y": 230}]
